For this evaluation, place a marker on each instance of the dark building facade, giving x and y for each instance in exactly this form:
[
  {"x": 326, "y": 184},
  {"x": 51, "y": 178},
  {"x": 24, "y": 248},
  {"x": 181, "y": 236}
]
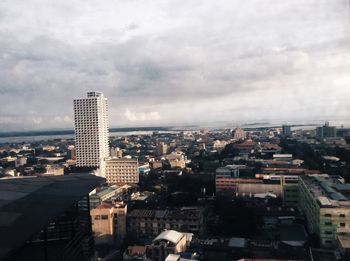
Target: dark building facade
[{"x": 46, "y": 218}]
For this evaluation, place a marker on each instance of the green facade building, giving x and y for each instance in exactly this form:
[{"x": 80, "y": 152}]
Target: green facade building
[{"x": 325, "y": 201}]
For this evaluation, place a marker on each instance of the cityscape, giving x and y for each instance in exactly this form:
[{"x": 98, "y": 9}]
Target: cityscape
[{"x": 126, "y": 133}]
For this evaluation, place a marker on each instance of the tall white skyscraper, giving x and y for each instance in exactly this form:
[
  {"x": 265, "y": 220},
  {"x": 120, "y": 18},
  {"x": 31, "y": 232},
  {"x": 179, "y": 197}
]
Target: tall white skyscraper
[{"x": 91, "y": 130}]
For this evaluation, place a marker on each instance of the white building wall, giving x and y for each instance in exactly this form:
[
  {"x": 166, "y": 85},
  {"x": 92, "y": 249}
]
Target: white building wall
[
  {"x": 91, "y": 129},
  {"x": 122, "y": 171}
]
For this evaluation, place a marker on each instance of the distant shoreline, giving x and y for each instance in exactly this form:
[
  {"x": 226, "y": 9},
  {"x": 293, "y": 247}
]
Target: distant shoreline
[
  {"x": 247, "y": 126},
  {"x": 71, "y": 132}
]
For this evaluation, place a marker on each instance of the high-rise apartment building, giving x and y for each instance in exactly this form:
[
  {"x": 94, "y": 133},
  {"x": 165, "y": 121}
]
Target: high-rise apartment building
[
  {"x": 162, "y": 148},
  {"x": 91, "y": 130},
  {"x": 326, "y": 131},
  {"x": 286, "y": 131}
]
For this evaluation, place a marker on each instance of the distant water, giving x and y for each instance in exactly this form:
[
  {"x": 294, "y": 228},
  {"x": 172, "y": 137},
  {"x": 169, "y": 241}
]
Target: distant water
[
  {"x": 309, "y": 124},
  {"x": 30, "y": 139}
]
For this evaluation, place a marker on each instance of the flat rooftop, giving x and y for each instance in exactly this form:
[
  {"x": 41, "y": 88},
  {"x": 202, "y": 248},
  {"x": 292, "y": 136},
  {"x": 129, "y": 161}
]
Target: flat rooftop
[{"x": 330, "y": 191}]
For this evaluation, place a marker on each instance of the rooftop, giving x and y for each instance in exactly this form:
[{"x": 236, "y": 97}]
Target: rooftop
[
  {"x": 344, "y": 241},
  {"x": 170, "y": 235},
  {"x": 105, "y": 191},
  {"x": 330, "y": 191},
  {"x": 136, "y": 250},
  {"x": 237, "y": 242}
]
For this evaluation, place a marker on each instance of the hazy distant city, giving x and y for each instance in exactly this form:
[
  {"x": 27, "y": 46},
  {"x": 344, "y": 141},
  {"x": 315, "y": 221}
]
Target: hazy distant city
[{"x": 175, "y": 131}]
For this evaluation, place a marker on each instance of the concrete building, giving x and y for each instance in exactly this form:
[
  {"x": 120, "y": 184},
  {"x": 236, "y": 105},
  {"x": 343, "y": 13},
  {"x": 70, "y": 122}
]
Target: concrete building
[
  {"x": 20, "y": 161},
  {"x": 245, "y": 187},
  {"x": 228, "y": 186},
  {"x": 283, "y": 157},
  {"x": 177, "y": 163},
  {"x": 162, "y": 148},
  {"x": 344, "y": 246},
  {"x": 109, "y": 222},
  {"x": 245, "y": 147},
  {"x": 54, "y": 170},
  {"x": 71, "y": 152},
  {"x": 121, "y": 171},
  {"x": 289, "y": 186},
  {"x": 176, "y": 159},
  {"x": 147, "y": 223},
  {"x": 135, "y": 253},
  {"x": 326, "y": 131},
  {"x": 102, "y": 195},
  {"x": 238, "y": 134},
  {"x": 281, "y": 186},
  {"x": 325, "y": 200},
  {"x": 91, "y": 130},
  {"x": 116, "y": 152},
  {"x": 229, "y": 171},
  {"x": 286, "y": 131},
  {"x": 219, "y": 145}
]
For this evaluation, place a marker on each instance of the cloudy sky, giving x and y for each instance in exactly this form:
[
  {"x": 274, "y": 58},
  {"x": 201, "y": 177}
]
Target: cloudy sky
[{"x": 172, "y": 62}]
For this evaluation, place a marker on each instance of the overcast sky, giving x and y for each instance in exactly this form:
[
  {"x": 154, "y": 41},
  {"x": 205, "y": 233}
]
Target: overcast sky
[{"x": 170, "y": 61}]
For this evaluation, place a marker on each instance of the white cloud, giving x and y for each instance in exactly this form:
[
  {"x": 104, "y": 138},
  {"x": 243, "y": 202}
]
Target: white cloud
[{"x": 133, "y": 116}]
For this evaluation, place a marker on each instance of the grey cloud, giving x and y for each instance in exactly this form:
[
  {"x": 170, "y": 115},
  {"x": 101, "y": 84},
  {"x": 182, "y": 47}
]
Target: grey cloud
[{"x": 173, "y": 63}]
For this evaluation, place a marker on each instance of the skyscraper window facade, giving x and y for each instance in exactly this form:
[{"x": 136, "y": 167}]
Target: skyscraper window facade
[{"x": 91, "y": 129}]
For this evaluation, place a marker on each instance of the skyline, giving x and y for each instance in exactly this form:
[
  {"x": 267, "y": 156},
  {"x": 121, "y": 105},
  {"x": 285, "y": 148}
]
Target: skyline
[{"x": 164, "y": 64}]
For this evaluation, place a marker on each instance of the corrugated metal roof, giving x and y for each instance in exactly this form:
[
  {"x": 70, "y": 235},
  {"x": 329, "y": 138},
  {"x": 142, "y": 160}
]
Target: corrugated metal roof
[
  {"x": 338, "y": 196},
  {"x": 170, "y": 235}
]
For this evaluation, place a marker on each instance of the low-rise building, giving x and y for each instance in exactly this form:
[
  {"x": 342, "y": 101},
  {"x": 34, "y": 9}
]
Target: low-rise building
[
  {"x": 135, "y": 253},
  {"x": 146, "y": 223},
  {"x": 326, "y": 131},
  {"x": 116, "y": 152},
  {"x": 102, "y": 195},
  {"x": 166, "y": 243},
  {"x": 229, "y": 170},
  {"x": 162, "y": 148},
  {"x": 289, "y": 186},
  {"x": 109, "y": 222},
  {"x": 275, "y": 186},
  {"x": 121, "y": 171},
  {"x": 54, "y": 170},
  {"x": 219, "y": 145},
  {"x": 238, "y": 134},
  {"x": 228, "y": 186},
  {"x": 344, "y": 246},
  {"x": 176, "y": 257},
  {"x": 20, "y": 161}
]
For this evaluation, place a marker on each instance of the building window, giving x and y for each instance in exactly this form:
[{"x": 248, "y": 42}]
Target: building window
[
  {"x": 342, "y": 224},
  {"x": 342, "y": 215},
  {"x": 328, "y": 223},
  {"x": 328, "y": 215},
  {"x": 104, "y": 217}
]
